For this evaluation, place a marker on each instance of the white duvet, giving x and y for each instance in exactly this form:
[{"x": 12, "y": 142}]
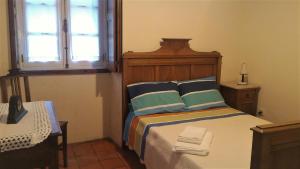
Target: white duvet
[{"x": 231, "y": 147}]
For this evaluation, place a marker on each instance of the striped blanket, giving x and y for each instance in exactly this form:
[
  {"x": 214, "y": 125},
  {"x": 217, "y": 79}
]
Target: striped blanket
[{"x": 137, "y": 127}]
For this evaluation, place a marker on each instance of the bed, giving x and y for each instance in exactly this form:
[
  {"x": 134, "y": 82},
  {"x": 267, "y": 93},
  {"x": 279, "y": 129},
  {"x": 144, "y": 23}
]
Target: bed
[{"x": 235, "y": 146}]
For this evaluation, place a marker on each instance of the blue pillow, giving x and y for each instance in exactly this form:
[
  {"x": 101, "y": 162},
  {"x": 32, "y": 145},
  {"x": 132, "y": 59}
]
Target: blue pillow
[
  {"x": 200, "y": 94},
  {"x": 155, "y": 97}
]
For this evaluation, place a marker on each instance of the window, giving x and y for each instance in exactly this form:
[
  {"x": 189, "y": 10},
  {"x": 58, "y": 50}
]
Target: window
[{"x": 61, "y": 34}]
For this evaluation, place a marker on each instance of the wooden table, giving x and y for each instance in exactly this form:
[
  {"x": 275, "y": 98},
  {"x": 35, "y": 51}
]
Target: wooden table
[{"x": 39, "y": 156}]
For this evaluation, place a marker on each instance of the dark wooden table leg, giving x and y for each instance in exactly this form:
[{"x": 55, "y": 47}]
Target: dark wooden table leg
[
  {"x": 65, "y": 146},
  {"x": 54, "y": 153}
]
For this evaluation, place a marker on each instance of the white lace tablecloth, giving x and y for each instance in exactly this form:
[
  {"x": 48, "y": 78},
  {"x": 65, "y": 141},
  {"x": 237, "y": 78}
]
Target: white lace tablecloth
[{"x": 32, "y": 129}]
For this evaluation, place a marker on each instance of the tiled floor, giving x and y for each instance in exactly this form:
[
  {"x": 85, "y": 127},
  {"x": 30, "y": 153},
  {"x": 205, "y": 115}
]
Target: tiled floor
[{"x": 101, "y": 154}]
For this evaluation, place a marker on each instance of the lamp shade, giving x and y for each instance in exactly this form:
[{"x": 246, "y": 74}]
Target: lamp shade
[{"x": 244, "y": 69}]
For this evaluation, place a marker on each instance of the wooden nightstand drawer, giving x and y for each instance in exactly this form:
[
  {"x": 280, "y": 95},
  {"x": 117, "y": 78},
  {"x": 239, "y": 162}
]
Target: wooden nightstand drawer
[
  {"x": 247, "y": 95},
  {"x": 249, "y": 108},
  {"x": 241, "y": 97}
]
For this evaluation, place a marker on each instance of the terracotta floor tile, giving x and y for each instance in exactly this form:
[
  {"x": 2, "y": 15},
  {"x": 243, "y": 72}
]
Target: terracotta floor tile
[
  {"x": 83, "y": 149},
  {"x": 68, "y": 167},
  {"x": 104, "y": 145},
  {"x": 72, "y": 163},
  {"x": 102, "y": 155},
  {"x": 70, "y": 151},
  {"x": 92, "y": 166},
  {"x": 123, "y": 160},
  {"x": 85, "y": 161},
  {"x": 112, "y": 163},
  {"x": 123, "y": 168}
]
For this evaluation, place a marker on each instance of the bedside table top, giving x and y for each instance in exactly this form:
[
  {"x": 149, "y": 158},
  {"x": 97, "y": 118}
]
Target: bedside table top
[{"x": 234, "y": 85}]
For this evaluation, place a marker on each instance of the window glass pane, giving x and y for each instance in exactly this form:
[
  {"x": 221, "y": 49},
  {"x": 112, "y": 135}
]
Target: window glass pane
[
  {"x": 85, "y": 48},
  {"x": 45, "y": 2},
  {"x": 87, "y": 3},
  {"x": 84, "y": 20},
  {"x": 42, "y": 48},
  {"x": 41, "y": 18},
  {"x": 84, "y": 30},
  {"x": 111, "y": 50}
]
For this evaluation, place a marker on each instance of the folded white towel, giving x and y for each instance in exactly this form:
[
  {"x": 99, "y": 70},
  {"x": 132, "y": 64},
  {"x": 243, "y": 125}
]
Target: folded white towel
[
  {"x": 196, "y": 149},
  {"x": 192, "y": 135}
]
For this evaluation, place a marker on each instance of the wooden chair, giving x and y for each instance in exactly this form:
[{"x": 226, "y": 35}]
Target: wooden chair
[
  {"x": 14, "y": 83},
  {"x": 64, "y": 144}
]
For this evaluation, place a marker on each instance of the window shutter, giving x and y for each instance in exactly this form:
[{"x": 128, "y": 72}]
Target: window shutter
[
  {"x": 13, "y": 36},
  {"x": 114, "y": 28}
]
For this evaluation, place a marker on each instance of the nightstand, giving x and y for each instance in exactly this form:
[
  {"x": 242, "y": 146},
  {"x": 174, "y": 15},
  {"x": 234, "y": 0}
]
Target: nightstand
[{"x": 241, "y": 97}]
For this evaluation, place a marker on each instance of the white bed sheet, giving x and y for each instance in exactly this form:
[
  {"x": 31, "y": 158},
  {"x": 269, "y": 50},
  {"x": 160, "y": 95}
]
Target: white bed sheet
[{"x": 230, "y": 149}]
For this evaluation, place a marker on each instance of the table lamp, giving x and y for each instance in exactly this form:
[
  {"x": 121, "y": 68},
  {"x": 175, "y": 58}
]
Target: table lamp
[{"x": 243, "y": 75}]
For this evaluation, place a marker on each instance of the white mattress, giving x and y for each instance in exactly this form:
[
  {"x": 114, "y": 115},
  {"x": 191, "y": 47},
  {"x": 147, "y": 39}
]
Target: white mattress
[{"x": 230, "y": 149}]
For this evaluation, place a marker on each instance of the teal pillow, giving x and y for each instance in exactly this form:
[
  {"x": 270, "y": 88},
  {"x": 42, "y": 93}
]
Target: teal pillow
[
  {"x": 155, "y": 97},
  {"x": 200, "y": 94}
]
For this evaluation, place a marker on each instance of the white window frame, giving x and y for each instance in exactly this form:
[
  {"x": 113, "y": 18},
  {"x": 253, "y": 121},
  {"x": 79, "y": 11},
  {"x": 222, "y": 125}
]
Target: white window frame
[{"x": 62, "y": 13}]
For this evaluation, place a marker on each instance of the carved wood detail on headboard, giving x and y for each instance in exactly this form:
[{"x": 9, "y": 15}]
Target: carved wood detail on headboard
[{"x": 175, "y": 60}]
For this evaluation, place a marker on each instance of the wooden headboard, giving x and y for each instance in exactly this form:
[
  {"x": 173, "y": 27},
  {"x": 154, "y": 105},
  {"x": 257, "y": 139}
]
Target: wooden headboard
[{"x": 175, "y": 60}]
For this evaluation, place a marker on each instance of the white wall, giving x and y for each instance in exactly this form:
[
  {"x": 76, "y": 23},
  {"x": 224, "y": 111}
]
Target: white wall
[
  {"x": 116, "y": 109},
  {"x": 83, "y": 100},
  {"x": 211, "y": 26},
  {"x": 269, "y": 45},
  {"x": 4, "y": 45},
  {"x": 298, "y": 56}
]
